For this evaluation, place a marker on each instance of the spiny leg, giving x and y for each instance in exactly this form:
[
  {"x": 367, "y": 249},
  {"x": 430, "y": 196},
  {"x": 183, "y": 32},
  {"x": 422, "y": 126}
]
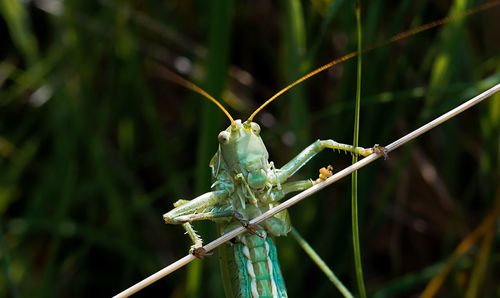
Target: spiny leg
[
  {"x": 197, "y": 248},
  {"x": 186, "y": 211},
  {"x": 309, "y": 152}
]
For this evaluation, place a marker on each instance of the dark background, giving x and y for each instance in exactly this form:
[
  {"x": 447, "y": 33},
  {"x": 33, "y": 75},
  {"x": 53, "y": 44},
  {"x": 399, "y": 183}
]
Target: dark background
[{"x": 95, "y": 145}]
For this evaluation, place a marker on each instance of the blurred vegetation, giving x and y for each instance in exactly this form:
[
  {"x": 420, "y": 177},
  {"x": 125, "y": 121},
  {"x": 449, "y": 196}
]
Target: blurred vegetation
[{"x": 95, "y": 146}]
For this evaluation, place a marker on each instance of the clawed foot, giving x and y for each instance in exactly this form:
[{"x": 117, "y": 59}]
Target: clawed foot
[
  {"x": 380, "y": 150},
  {"x": 199, "y": 252},
  {"x": 255, "y": 230},
  {"x": 251, "y": 228}
]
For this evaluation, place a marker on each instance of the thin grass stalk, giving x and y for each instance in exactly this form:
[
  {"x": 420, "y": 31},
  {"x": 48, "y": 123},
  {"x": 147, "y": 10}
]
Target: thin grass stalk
[
  {"x": 312, "y": 190},
  {"x": 320, "y": 263},
  {"x": 354, "y": 181}
]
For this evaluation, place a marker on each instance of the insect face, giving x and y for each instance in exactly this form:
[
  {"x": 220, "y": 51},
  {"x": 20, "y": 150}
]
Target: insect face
[{"x": 243, "y": 151}]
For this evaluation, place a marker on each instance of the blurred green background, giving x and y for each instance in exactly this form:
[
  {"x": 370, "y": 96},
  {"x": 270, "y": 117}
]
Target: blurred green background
[{"x": 95, "y": 145}]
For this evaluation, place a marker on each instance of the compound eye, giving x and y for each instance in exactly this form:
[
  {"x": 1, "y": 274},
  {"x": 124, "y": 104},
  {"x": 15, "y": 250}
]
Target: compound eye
[
  {"x": 255, "y": 128},
  {"x": 223, "y": 137}
]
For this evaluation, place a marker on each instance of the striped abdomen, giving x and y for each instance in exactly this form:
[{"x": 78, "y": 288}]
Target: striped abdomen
[{"x": 250, "y": 268}]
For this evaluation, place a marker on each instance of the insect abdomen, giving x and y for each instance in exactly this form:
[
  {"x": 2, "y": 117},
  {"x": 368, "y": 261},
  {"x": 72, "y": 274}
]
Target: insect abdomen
[{"x": 256, "y": 271}]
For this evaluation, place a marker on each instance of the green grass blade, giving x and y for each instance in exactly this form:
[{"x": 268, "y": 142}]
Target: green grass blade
[
  {"x": 320, "y": 263},
  {"x": 16, "y": 17},
  {"x": 354, "y": 186}
]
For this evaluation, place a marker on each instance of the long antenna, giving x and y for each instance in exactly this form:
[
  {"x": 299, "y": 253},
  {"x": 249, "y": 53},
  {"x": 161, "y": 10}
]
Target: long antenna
[
  {"x": 394, "y": 38},
  {"x": 172, "y": 76}
]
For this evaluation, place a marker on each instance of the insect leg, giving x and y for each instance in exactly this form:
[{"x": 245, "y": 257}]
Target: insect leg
[
  {"x": 196, "y": 239},
  {"x": 303, "y": 157},
  {"x": 296, "y": 186},
  {"x": 186, "y": 211},
  {"x": 279, "y": 193},
  {"x": 184, "y": 208},
  {"x": 197, "y": 247}
]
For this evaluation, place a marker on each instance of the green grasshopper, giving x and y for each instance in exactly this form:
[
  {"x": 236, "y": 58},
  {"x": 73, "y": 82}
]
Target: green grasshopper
[{"x": 246, "y": 184}]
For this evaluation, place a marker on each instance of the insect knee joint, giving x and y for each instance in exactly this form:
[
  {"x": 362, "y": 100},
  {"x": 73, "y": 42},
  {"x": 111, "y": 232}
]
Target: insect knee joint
[{"x": 172, "y": 220}]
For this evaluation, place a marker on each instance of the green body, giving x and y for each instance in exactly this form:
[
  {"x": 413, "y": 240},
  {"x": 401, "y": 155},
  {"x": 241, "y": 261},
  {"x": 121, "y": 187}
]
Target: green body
[
  {"x": 250, "y": 268},
  {"x": 245, "y": 185}
]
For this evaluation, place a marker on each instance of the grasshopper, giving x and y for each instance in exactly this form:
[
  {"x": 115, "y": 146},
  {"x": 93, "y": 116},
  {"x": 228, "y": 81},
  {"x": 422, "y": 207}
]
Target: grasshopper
[{"x": 246, "y": 184}]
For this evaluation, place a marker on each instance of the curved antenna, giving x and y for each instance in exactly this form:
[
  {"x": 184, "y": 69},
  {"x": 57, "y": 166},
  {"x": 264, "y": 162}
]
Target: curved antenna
[
  {"x": 172, "y": 76},
  {"x": 394, "y": 38},
  {"x": 303, "y": 78}
]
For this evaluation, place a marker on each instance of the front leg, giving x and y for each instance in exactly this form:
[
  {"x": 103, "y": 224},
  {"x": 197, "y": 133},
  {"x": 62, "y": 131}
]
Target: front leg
[
  {"x": 303, "y": 157},
  {"x": 187, "y": 211}
]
